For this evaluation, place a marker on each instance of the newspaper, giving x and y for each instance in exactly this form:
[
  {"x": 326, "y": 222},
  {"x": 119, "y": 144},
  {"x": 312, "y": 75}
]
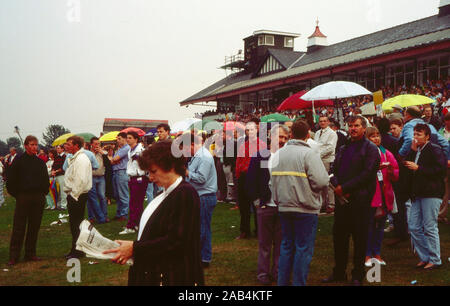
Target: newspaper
[{"x": 94, "y": 244}]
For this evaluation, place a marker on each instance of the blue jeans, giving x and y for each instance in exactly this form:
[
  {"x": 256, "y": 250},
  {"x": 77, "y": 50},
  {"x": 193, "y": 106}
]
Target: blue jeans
[
  {"x": 207, "y": 204},
  {"x": 297, "y": 247},
  {"x": 97, "y": 205},
  {"x": 149, "y": 192},
  {"x": 376, "y": 234},
  {"x": 121, "y": 194},
  {"x": 423, "y": 227}
]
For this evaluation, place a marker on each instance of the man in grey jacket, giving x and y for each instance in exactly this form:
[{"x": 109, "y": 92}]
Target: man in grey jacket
[{"x": 298, "y": 177}]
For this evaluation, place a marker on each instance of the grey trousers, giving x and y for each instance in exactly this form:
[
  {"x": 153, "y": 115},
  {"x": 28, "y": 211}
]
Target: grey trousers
[
  {"x": 327, "y": 194},
  {"x": 269, "y": 239}
]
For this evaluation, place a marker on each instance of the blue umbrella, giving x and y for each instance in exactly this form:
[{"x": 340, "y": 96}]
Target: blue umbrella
[{"x": 152, "y": 132}]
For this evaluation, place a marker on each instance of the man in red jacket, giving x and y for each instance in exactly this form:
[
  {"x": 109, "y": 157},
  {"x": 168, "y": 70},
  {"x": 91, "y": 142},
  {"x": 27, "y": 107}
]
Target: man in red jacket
[{"x": 246, "y": 150}]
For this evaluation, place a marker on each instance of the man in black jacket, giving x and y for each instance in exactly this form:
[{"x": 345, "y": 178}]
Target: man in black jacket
[
  {"x": 28, "y": 182},
  {"x": 355, "y": 171}
]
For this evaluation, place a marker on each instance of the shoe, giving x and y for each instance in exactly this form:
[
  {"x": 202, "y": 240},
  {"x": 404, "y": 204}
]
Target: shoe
[
  {"x": 76, "y": 254},
  {"x": 242, "y": 236},
  {"x": 127, "y": 231},
  {"x": 421, "y": 265},
  {"x": 264, "y": 280},
  {"x": 368, "y": 262},
  {"x": 33, "y": 258},
  {"x": 91, "y": 221},
  {"x": 389, "y": 229},
  {"x": 356, "y": 283},
  {"x": 380, "y": 261},
  {"x": 333, "y": 279},
  {"x": 205, "y": 265},
  {"x": 329, "y": 210},
  {"x": 432, "y": 267},
  {"x": 107, "y": 220},
  {"x": 12, "y": 262},
  {"x": 234, "y": 208}
]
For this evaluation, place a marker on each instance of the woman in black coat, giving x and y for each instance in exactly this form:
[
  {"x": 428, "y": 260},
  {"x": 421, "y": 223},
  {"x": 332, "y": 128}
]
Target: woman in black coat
[{"x": 167, "y": 250}]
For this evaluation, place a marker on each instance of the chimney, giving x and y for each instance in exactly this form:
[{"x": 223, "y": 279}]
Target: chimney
[
  {"x": 317, "y": 40},
  {"x": 444, "y": 8}
]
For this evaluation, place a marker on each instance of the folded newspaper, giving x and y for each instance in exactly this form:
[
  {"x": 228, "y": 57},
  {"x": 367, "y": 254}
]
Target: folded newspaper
[{"x": 94, "y": 244}]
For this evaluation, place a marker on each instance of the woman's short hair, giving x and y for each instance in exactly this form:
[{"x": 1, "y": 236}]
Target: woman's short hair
[
  {"x": 53, "y": 152},
  {"x": 160, "y": 154},
  {"x": 423, "y": 127},
  {"x": 371, "y": 130}
]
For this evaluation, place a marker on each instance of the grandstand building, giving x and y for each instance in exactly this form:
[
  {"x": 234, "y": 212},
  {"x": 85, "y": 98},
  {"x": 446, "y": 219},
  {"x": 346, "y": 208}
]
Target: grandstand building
[{"x": 268, "y": 70}]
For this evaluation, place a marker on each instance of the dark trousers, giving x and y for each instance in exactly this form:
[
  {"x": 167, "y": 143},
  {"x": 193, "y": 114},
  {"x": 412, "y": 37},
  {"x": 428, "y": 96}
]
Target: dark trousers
[
  {"x": 27, "y": 219},
  {"x": 76, "y": 215},
  {"x": 245, "y": 205},
  {"x": 269, "y": 241},
  {"x": 350, "y": 219},
  {"x": 400, "y": 219}
]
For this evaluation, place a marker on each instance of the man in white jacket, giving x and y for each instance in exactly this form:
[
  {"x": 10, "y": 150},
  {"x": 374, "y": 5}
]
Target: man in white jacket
[
  {"x": 77, "y": 183},
  {"x": 327, "y": 139}
]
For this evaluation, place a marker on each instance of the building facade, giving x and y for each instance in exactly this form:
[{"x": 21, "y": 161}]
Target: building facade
[{"x": 271, "y": 71}]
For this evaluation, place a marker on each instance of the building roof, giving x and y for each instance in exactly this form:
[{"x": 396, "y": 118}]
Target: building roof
[
  {"x": 410, "y": 35},
  {"x": 285, "y": 57},
  {"x": 317, "y": 33}
]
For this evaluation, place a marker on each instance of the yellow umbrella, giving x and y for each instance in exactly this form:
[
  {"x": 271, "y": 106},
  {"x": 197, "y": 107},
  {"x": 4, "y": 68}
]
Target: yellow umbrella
[
  {"x": 111, "y": 136},
  {"x": 61, "y": 139},
  {"x": 405, "y": 101}
]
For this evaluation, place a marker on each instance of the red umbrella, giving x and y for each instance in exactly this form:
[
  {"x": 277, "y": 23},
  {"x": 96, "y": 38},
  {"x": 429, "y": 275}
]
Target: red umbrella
[
  {"x": 295, "y": 102},
  {"x": 133, "y": 129},
  {"x": 232, "y": 125}
]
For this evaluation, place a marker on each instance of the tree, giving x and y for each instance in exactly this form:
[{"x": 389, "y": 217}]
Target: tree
[
  {"x": 16, "y": 143},
  {"x": 52, "y": 132},
  {"x": 3, "y": 148}
]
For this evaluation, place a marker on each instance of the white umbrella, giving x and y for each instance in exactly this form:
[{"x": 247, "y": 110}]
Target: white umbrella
[
  {"x": 183, "y": 125},
  {"x": 335, "y": 90}
]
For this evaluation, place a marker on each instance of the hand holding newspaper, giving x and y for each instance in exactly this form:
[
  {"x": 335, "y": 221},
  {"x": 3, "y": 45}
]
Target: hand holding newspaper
[{"x": 94, "y": 244}]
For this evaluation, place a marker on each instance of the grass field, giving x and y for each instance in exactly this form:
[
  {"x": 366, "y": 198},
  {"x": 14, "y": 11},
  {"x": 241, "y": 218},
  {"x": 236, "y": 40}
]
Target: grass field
[{"x": 234, "y": 262}]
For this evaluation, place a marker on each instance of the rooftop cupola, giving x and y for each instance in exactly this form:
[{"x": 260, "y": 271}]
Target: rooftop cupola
[{"x": 317, "y": 40}]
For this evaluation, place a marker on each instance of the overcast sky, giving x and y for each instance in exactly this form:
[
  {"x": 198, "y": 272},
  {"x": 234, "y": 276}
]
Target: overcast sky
[{"x": 76, "y": 62}]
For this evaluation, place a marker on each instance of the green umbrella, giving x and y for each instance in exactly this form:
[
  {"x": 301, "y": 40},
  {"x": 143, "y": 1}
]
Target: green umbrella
[
  {"x": 206, "y": 125},
  {"x": 275, "y": 118},
  {"x": 86, "y": 136}
]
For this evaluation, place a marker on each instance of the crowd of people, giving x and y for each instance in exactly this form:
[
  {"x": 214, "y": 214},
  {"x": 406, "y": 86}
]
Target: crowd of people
[{"x": 394, "y": 167}]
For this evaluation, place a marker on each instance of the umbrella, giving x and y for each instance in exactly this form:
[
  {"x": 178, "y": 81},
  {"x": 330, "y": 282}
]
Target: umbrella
[
  {"x": 133, "y": 129},
  {"x": 152, "y": 133},
  {"x": 275, "y": 118},
  {"x": 295, "y": 102},
  {"x": 368, "y": 109},
  {"x": 405, "y": 101},
  {"x": 54, "y": 190},
  {"x": 206, "y": 125},
  {"x": 86, "y": 136},
  {"x": 62, "y": 139},
  {"x": 111, "y": 136},
  {"x": 232, "y": 125},
  {"x": 183, "y": 125},
  {"x": 335, "y": 90}
]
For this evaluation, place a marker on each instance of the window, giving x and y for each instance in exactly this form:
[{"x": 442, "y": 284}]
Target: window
[
  {"x": 260, "y": 40},
  {"x": 270, "y": 41},
  {"x": 289, "y": 42}
]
